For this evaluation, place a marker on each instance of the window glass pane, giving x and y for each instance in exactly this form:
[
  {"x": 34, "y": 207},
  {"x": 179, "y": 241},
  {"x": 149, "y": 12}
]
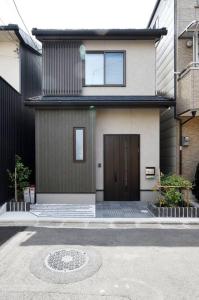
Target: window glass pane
[
  {"x": 79, "y": 142},
  {"x": 114, "y": 68},
  {"x": 94, "y": 69}
]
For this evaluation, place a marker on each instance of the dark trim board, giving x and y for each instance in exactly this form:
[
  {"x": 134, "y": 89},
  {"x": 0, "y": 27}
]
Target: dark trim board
[
  {"x": 137, "y": 151},
  {"x": 153, "y": 13},
  {"x": 23, "y": 37},
  {"x": 99, "y": 34},
  {"x": 101, "y": 101}
]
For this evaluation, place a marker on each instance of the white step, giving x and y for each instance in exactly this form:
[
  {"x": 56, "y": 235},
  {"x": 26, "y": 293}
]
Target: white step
[{"x": 63, "y": 210}]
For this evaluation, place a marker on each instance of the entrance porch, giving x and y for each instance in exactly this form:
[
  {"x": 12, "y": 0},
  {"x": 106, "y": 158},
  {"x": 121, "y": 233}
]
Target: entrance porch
[{"x": 108, "y": 209}]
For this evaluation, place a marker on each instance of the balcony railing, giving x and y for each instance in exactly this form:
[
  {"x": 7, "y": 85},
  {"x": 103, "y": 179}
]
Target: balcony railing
[{"x": 188, "y": 89}]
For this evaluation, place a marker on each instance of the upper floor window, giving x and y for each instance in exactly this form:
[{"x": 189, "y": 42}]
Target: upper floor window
[{"x": 105, "y": 68}]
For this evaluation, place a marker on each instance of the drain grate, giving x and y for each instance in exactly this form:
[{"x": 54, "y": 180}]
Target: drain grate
[
  {"x": 65, "y": 264},
  {"x": 66, "y": 260}
]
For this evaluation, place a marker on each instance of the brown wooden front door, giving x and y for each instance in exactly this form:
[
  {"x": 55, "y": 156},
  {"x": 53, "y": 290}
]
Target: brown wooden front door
[{"x": 121, "y": 167}]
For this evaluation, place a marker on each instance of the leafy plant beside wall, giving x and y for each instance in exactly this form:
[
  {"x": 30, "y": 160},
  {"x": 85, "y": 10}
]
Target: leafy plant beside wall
[
  {"x": 19, "y": 179},
  {"x": 173, "y": 191}
]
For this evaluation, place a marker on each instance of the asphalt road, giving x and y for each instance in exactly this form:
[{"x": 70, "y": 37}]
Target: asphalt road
[{"x": 149, "y": 262}]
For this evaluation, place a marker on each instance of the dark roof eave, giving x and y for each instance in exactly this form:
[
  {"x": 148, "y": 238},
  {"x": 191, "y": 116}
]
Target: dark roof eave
[
  {"x": 99, "y": 34},
  {"x": 16, "y": 29},
  {"x": 149, "y": 101}
]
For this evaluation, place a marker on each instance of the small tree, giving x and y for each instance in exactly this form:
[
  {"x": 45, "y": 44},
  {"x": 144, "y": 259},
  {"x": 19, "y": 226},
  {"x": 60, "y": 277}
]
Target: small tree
[{"x": 19, "y": 179}]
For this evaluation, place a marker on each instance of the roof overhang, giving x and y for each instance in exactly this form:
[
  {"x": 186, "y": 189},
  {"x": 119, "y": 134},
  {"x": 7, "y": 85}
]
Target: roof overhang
[
  {"x": 99, "y": 34},
  {"x": 190, "y": 30},
  {"x": 121, "y": 101},
  {"x": 14, "y": 32}
]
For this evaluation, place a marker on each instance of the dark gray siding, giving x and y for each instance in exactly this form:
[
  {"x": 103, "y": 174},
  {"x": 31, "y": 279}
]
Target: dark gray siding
[
  {"x": 17, "y": 121},
  {"x": 31, "y": 74},
  {"x": 10, "y": 133},
  {"x": 62, "y": 68},
  {"x": 55, "y": 170}
]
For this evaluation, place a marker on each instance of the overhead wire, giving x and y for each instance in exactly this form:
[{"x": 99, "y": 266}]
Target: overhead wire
[{"x": 22, "y": 20}]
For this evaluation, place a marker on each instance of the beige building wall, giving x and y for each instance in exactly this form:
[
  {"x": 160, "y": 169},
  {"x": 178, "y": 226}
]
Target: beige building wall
[
  {"x": 140, "y": 67},
  {"x": 10, "y": 63},
  {"x": 187, "y": 87},
  {"x": 130, "y": 121},
  {"x": 190, "y": 154}
]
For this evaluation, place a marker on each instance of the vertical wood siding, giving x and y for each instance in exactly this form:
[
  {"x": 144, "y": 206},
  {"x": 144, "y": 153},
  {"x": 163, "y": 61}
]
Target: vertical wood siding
[
  {"x": 10, "y": 133},
  {"x": 30, "y": 86},
  {"x": 16, "y": 121},
  {"x": 62, "y": 68},
  {"x": 56, "y": 172}
]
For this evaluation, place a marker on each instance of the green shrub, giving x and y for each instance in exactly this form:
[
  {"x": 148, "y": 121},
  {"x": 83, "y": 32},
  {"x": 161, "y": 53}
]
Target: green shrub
[{"x": 171, "y": 188}]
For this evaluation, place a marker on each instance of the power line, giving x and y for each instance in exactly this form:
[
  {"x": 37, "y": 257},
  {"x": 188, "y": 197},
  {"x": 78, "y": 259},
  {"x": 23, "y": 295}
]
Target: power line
[
  {"x": 23, "y": 22},
  {"x": 20, "y": 16}
]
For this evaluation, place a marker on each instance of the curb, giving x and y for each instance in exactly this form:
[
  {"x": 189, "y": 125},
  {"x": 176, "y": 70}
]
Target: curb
[{"x": 98, "y": 221}]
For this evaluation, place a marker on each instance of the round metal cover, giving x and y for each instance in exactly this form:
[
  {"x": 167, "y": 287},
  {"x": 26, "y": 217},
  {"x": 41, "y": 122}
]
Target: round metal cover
[
  {"x": 64, "y": 260},
  {"x": 65, "y": 264}
]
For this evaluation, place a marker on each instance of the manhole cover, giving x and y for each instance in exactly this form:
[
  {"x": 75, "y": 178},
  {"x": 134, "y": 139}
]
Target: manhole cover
[
  {"x": 65, "y": 264},
  {"x": 66, "y": 260}
]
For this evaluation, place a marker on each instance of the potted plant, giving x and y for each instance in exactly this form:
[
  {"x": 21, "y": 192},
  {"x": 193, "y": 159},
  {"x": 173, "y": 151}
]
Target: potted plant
[
  {"x": 19, "y": 180},
  {"x": 173, "y": 200}
]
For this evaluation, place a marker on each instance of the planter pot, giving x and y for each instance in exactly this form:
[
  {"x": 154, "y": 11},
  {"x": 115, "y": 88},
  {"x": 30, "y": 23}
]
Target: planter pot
[
  {"x": 174, "y": 212},
  {"x": 17, "y": 206}
]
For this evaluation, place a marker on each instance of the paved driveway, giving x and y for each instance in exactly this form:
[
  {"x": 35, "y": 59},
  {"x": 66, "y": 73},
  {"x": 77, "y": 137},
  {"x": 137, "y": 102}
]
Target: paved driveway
[{"x": 138, "y": 262}]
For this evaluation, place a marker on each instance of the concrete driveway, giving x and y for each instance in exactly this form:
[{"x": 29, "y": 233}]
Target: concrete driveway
[{"x": 137, "y": 262}]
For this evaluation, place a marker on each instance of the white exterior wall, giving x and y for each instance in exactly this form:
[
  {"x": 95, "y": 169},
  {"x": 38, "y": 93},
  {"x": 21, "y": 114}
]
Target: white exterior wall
[
  {"x": 140, "y": 67},
  {"x": 165, "y": 79},
  {"x": 10, "y": 63},
  {"x": 165, "y": 48},
  {"x": 130, "y": 121}
]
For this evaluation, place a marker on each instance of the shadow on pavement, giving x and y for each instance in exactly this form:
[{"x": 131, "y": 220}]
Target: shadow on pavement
[
  {"x": 113, "y": 237},
  {"x": 7, "y": 232}
]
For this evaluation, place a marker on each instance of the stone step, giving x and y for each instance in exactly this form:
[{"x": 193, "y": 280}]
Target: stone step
[
  {"x": 64, "y": 215},
  {"x": 63, "y": 210}
]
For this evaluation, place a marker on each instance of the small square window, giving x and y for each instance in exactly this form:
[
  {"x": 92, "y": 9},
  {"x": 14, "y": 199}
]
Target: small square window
[{"x": 79, "y": 144}]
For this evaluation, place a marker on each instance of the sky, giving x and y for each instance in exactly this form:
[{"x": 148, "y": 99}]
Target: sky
[{"x": 77, "y": 13}]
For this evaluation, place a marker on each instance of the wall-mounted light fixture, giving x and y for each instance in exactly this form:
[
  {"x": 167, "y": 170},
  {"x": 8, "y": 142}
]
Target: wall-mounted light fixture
[
  {"x": 189, "y": 44},
  {"x": 185, "y": 141}
]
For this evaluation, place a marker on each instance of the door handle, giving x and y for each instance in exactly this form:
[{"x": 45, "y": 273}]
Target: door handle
[{"x": 115, "y": 176}]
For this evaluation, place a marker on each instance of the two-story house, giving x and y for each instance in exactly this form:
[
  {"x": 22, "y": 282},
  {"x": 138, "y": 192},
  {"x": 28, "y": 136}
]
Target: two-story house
[
  {"x": 177, "y": 75},
  {"x": 20, "y": 77},
  {"x": 97, "y": 120}
]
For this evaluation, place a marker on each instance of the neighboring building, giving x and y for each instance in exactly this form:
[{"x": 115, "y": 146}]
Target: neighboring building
[
  {"x": 20, "y": 77},
  {"x": 97, "y": 120},
  {"x": 178, "y": 72}
]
